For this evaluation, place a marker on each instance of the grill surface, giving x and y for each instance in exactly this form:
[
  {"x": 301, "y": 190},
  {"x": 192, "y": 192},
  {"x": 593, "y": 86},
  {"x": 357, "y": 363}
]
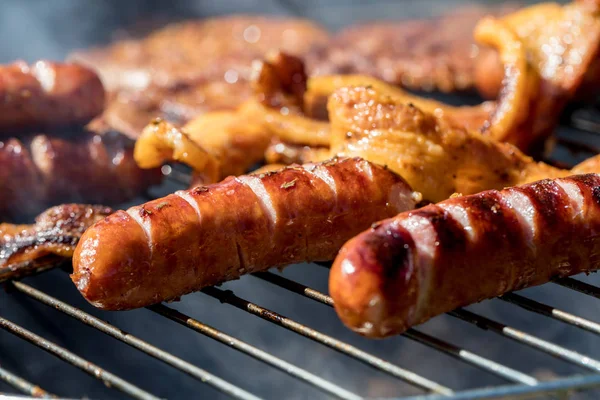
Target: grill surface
[{"x": 517, "y": 384}]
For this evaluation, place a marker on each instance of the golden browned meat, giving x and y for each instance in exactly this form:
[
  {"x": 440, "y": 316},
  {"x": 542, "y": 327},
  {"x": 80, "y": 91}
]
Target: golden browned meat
[
  {"x": 562, "y": 45},
  {"x": 280, "y": 152},
  {"x": 434, "y": 155},
  {"x": 192, "y": 67},
  {"x": 436, "y": 158},
  {"x": 222, "y": 143},
  {"x": 130, "y": 112},
  {"x": 321, "y": 87},
  {"x": 548, "y": 50},
  {"x": 438, "y": 53},
  {"x": 28, "y": 248},
  {"x": 238, "y": 139},
  {"x": 215, "y": 145}
]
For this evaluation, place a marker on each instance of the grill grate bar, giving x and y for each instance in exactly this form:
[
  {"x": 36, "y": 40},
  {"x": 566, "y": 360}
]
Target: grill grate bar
[
  {"x": 579, "y": 286},
  {"x": 577, "y": 146},
  {"x": 527, "y": 339},
  {"x": 24, "y": 386},
  {"x": 295, "y": 287},
  {"x": 562, "y": 387},
  {"x": 227, "y": 296},
  {"x": 182, "y": 178},
  {"x": 135, "y": 342},
  {"x": 257, "y": 353},
  {"x": 108, "y": 378},
  {"x": 543, "y": 309},
  {"x": 466, "y": 356},
  {"x": 586, "y": 119}
]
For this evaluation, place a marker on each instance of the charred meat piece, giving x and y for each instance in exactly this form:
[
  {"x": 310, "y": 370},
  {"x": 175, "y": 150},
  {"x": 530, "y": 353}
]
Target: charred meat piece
[
  {"x": 281, "y": 152},
  {"x": 25, "y": 249}
]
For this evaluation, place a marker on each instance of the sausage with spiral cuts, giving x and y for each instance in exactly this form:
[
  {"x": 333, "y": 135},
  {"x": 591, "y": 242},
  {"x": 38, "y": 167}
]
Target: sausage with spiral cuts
[
  {"x": 200, "y": 237},
  {"x": 410, "y": 268},
  {"x": 48, "y": 94}
]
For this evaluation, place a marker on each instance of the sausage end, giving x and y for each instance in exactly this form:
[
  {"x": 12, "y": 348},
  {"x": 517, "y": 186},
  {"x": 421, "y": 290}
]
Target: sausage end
[
  {"x": 374, "y": 284},
  {"x": 110, "y": 261}
]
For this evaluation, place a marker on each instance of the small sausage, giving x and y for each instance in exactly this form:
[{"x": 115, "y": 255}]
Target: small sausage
[
  {"x": 40, "y": 170},
  {"x": 48, "y": 94},
  {"x": 422, "y": 263},
  {"x": 201, "y": 237}
]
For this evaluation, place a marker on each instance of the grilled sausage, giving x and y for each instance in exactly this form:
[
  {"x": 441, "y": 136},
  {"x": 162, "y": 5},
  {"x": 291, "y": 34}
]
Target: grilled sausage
[
  {"x": 39, "y": 170},
  {"x": 410, "y": 268},
  {"x": 200, "y": 237},
  {"x": 431, "y": 54},
  {"x": 48, "y": 94}
]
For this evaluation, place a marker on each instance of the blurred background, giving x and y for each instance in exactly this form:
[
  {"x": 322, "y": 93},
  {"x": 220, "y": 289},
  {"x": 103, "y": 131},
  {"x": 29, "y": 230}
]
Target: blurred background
[
  {"x": 39, "y": 29},
  {"x": 33, "y": 29}
]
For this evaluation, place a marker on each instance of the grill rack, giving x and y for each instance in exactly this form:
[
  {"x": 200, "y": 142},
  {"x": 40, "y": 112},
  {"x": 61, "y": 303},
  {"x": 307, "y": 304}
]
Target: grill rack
[{"x": 522, "y": 385}]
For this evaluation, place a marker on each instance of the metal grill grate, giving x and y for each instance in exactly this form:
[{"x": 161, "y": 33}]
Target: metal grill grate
[{"x": 520, "y": 385}]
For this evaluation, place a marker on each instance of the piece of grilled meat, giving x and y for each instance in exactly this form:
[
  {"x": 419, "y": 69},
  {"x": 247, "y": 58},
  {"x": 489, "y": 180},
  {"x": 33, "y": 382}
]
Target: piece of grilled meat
[
  {"x": 435, "y": 157},
  {"x": 192, "y": 67},
  {"x": 185, "y": 51},
  {"x": 429, "y": 54},
  {"x": 25, "y": 249}
]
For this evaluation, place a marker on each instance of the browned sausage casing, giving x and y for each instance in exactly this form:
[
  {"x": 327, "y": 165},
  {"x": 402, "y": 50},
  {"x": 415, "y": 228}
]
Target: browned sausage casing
[
  {"x": 207, "y": 235},
  {"x": 422, "y": 263},
  {"x": 48, "y": 94},
  {"x": 39, "y": 170}
]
